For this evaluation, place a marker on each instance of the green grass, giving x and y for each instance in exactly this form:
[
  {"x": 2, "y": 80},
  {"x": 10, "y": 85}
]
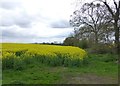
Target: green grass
[{"x": 101, "y": 68}]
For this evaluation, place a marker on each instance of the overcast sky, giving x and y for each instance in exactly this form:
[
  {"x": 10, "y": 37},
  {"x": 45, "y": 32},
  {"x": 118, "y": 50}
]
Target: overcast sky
[
  {"x": 35, "y": 20},
  {"x": 29, "y": 21}
]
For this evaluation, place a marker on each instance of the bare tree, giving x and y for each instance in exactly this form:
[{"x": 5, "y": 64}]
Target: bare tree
[
  {"x": 91, "y": 17},
  {"x": 115, "y": 12}
]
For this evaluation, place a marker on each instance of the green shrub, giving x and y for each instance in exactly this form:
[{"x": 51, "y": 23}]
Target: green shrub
[
  {"x": 83, "y": 44},
  {"x": 102, "y": 49}
]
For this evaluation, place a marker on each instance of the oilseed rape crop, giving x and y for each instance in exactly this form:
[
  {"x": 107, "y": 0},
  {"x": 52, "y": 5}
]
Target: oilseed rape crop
[{"x": 17, "y": 56}]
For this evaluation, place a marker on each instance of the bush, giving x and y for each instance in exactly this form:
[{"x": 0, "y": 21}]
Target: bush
[
  {"x": 102, "y": 49},
  {"x": 83, "y": 44}
]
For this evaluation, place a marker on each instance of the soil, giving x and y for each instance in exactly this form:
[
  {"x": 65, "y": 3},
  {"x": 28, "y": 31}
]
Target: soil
[{"x": 88, "y": 79}]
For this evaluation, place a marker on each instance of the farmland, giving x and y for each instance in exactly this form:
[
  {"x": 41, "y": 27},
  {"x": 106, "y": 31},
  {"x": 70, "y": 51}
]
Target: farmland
[
  {"x": 51, "y": 64},
  {"x": 15, "y": 55}
]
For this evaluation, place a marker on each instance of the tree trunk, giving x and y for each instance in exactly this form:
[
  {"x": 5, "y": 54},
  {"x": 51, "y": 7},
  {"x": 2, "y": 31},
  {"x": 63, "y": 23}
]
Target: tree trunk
[
  {"x": 117, "y": 44},
  {"x": 96, "y": 38}
]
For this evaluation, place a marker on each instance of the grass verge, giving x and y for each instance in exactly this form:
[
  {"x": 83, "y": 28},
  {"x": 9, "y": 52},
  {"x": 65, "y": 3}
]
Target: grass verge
[{"x": 101, "y": 69}]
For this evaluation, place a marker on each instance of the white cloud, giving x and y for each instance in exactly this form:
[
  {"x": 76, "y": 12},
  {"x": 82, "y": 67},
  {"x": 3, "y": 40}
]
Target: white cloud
[
  {"x": 9, "y": 4},
  {"x": 35, "y": 20}
]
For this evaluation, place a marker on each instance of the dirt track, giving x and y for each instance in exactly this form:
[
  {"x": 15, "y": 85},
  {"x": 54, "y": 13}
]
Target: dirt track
[{"x": 88, "y": 79}]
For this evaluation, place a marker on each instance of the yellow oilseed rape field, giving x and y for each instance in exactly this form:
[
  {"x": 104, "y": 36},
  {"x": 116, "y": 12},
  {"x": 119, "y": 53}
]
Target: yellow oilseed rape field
[{"x": 16, "y": 56}]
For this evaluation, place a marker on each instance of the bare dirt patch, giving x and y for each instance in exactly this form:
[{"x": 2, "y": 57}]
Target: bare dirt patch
[{"x": 88, "y": 79}]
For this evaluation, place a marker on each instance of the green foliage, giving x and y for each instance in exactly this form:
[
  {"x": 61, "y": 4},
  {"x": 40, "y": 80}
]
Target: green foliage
[
  {"x": 71, "y": 41},
  {"x": 11, "y": 61},
  {"x": 102, "y": 48},
  {"x": 19, "y": 64},
  {"x": 38, "y": 73},
  {"x": 104, "y": 57},
  {"x": 83, "y": 44},
  {"x": 8, "y": 61},
  {"x": 20, "y": 52}
]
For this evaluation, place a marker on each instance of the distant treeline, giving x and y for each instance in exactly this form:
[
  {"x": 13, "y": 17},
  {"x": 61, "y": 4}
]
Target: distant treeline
[{"x": 50, "y": 43}]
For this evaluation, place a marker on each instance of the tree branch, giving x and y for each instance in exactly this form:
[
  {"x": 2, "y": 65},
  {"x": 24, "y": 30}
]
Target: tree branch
[
  {"x": 115, "y": 4},
  {"x": 110, "y": 10}
]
